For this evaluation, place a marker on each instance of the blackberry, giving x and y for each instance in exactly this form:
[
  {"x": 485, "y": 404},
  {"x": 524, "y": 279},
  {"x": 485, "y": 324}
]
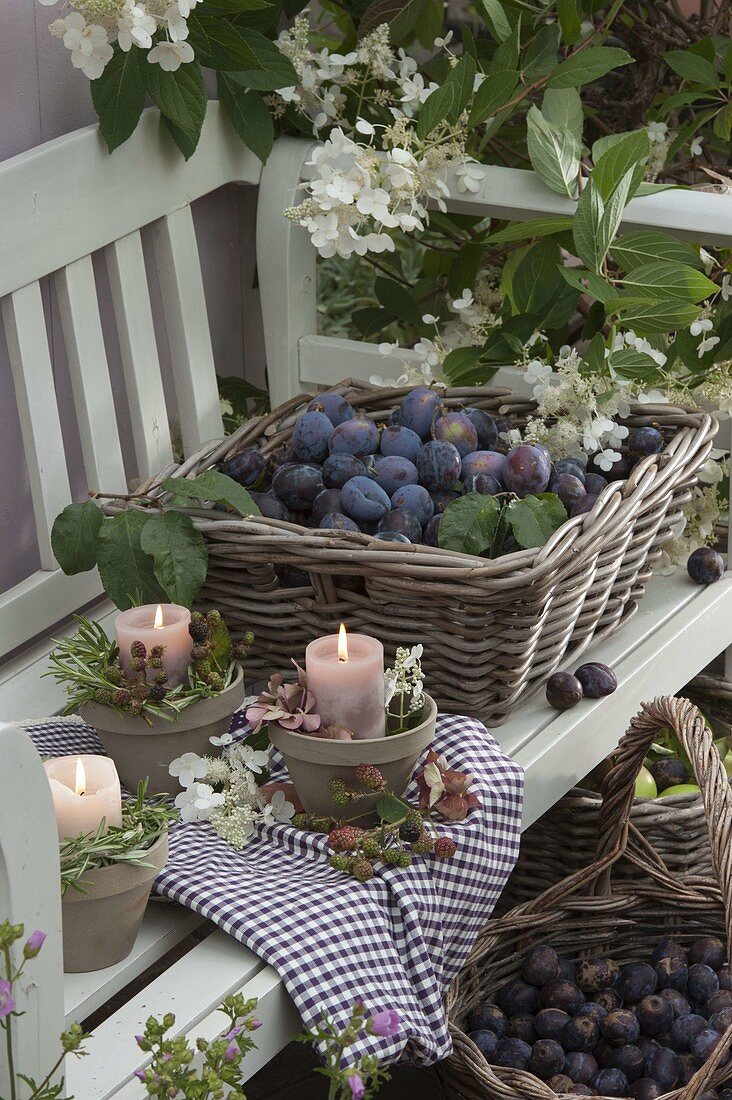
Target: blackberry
[
  {"x": 369, "y": 776},
  {"x": 341, "y": 863},
  {"x": 137, "y": 649},
  {"x": 158, "y": 692},
  {"x": 121, "y": 697},
  {"x": 215, "y": 681},
  {"x": 200, "y": 652},
  {"x": 411, "y": 830},
  {"x": 198, "y": 631},
  {"x": 345, "y": 839},
  {"x": 371, "y": 847},
  {"x": 445, "y": 847},
  {"x": 362, "y": 869},
  {"x": 339, "y": 791},
  {"x": 423, "y": 845},
  {"x": 139, "y": 664},
  {"x": 104, "y": 695}
]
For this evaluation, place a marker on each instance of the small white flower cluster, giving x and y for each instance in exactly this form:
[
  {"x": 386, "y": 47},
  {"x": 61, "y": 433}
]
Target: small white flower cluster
[
  {"x": 406, "y": 680},
  {"x": 660, "y": 137},
  {"x": 90, "y": 29},
  {"x": 223, "y": 791},
  {"x": 705, "y": 510}
]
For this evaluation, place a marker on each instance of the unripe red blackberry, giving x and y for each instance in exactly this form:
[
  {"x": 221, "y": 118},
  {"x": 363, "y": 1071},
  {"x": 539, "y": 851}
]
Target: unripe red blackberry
[
  {"x": 423, "y": 845},
  {"x": 445, "y": 848},
  {"x": 139, "y": 664},
  {"x": 362, "y": 869},
  {"x": 137, "y": 649},
  {"x": 345, "y": 839},
  {"x": 369, "y": 776},
  {"x": 200, "y": 652},
  {"x": 104, "y": 695},
  {"x": 121, "y": 697}
]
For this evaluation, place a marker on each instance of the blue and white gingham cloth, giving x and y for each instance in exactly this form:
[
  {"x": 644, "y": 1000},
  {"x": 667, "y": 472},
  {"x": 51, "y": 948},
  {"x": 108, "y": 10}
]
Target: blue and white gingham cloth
[{"x": 397, "y": 941}]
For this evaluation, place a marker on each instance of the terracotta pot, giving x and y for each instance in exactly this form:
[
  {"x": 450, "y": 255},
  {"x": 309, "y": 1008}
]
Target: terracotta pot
[
  {"x": 312, "y": 761},
  {"x": 139, "y": 750},
  {"x": 100, "y": 926}
]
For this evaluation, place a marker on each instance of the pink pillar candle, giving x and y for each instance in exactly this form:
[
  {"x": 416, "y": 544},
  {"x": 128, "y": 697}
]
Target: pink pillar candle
[
  {"x": 85, "y": 789},
  {"x": 348, "y": 692},
  {"x": 157, "y": 624}
]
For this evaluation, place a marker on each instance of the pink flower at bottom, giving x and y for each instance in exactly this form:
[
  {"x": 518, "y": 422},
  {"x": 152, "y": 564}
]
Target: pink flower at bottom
[
  {"x": 384, "y": 1023},
  {"x": 355, "y": 1084},
  {"x": 7, "y": 1002},
  {"x": 232, "y": 1052}
]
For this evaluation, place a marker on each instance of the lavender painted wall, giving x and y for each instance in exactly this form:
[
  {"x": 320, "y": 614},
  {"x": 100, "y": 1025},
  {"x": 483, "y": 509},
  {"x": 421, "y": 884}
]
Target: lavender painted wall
[{"x": 41, "y": 97}]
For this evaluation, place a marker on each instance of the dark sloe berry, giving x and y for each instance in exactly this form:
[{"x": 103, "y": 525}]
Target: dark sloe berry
[
  {"x": 540, "y": 966},
  {"x": 705, "y": 566},
  {"x": 609, "y": 999},
  {"x": 517, "y": 997},
  {"x": 628, "y": 1058},
  {"x": 442, "y": 501},
  {"x": 663, "y": 1065},
  {"x": 270, "y": 506},
  {"x": 585, "y": 505},
  {"x": 522, "y": 1027},
  {"x": 592, "y": 1009},
  {"x": 702, "y": 982},
  {"x": 560, "y": 993},
  {"x": 563, "y": 690},
  {"x": 721, "y": 1020},
  {"x": 488, "y": 1016},
  {"x": 636, "y": 981},
  {"x": 708, "y": 950},
  {"x": 680, "y": 1005},
  {"x": 719, "y": 1000},
  {"x": 549, "y": 1022},
  {"x": 643, "y": 442},
  {"x": 610, "y": 1082},
  {"x": 560, "y": 1083},
  {"x": 486, "y": 1042},
  {"x": 513, "y": 1054},
  {"x": 667, "y": 948},
  {"x": 580, "y": 1067},
  {"x": 580, "y": 1033},
  {"x": 547, "y": 1058},
  {"x": 596, "y": 974},
  {"x": 571, "y": 466},
  {"x": 704, "y": 1044},
  {"x": 645, "y": 1089},
  {"x": 620, "y": 1026},
  {"x": 597, "y": 679},
  {"x": 328, "y": 500},
  {"x": 655, "y": 1015},
  {"x": 485, "y": 426}
]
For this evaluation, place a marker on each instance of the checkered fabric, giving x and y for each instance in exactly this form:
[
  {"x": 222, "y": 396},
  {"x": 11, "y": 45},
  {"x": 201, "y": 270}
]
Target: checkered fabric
[{"x": 396, "y": 941}]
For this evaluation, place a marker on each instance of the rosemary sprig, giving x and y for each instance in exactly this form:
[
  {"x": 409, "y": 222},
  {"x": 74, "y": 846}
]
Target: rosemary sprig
[
  {"x": 143, "y": 822},
  {"x": 88, "y": 663}
]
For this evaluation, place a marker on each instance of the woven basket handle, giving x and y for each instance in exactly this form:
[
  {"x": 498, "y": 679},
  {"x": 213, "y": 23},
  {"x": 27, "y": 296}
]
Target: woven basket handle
[{"x": 618, "y": 793}]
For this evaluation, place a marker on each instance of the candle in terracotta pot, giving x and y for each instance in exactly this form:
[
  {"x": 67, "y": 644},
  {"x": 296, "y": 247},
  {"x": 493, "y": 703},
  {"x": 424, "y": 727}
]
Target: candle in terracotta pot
[
  {"x": 157, "y": 624},
  {"x": 85, "y": 789},
  {"x": 346, "y": 676}
]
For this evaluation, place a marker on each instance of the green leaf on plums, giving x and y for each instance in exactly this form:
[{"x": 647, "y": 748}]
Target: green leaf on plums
[
  {"x": 75, "y": 537},
  {"x": 127, "y": 572},
  {"x": 214, "y": 486},
  {"x": 179, "y": 554},
  {"x": 469, "y": 524},
  {"x": 534, "y": 519}
]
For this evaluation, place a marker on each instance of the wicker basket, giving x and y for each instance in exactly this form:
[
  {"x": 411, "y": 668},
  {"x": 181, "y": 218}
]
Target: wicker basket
[
  {"x": 505, "y": 624},
  {"x": 588, "y": 914}
]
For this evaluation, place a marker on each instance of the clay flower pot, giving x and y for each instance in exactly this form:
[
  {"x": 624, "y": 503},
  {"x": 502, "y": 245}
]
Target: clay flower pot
[
  {"x": 313, "y": 761},
  {"x": 100, "y": 926},
  {"x": 140, "y": 751}
]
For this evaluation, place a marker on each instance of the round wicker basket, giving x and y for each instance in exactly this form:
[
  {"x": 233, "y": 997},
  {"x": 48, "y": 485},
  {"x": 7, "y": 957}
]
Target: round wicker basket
[
  {"x": 589, "y": 914},
  {"x": 505, "y": 623}
]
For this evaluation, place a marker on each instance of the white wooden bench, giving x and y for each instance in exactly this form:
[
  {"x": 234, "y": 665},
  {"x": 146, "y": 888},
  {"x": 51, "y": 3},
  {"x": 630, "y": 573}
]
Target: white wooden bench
[{"x": 59, "y": 204}]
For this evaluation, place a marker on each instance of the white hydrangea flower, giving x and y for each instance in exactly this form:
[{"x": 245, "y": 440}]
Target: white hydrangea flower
[
  {"x": 88, "y": 43},
  {"x": 469, "y": 177},
  {"x": 695, "y": 147},
  {"x": 278, "y": 809},
  {"x": 651, "y": 397},
  {"x": 196, "y": 801},
  {"x": 171, "y": 55},
  {"x": 703, "y": 324},
  {"x": 245, "y": 758},
  {"x": 606, "y": 459},
  {"x": 188, "y": 768},
  {"x": 440, "y": 43},
  {"x": 135, "y": 27},
  {"x": 726, "y": 287},
  {"x": 707, "y": 345},
  {"x": 657, "y": 131},
  {"x": 415, "y": 93},
  {"x": 465, "y": 301}
]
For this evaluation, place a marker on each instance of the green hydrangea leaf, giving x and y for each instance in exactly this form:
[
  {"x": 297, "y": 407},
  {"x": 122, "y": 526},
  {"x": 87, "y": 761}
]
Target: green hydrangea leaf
[
  {"x": 127, "y": 572},
  {"x": 214, "y": 486},
  {"x": 534, "y": 519},
  {"x": 75, "y": 537},
  {"x": 179, "y": 554},
  {"x": 469, "y": 524}
]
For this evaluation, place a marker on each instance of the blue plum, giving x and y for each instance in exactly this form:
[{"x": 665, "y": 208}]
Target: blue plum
[
  {"x": 482, "y": 483},
  {"x": 418, "y": 410},
  {"x": 597, "y": 679},
  {"x": 594, "y": 1010},
  {"x": 246, "y": 467},
  {"x": 580, "y": 1033},
  {"x": 456, "y": 428},
  {"x": 655, "y": 1015},
  {"x": 645, "y": 1088},
  {"x": 560, "y": 993},
  {"x": 718, "y": 1001},
  {"x": 667, "y": 948},
  {"x": 702, "y": 982},
  {"x": 340, "y": 468},
  {"x": 540, "y": 966},
  {"x": 704, "y": 1044},
  {"x": 629, "y": 1059},
  {"x": 358, "y": 436},
  {"x": 643, "y": 442},
  {"x": 488, "y": 1015},
  {"x": 485, "y": 426},
  {"x": 684, "y": 1030},
  {"x": 297, "y": 486},
  {"x": 364, "y": 500},
  {"x": 416, "y": 499},
  {"x": 400, "y": 441},
  {"x": 401, "y": 522},
  {"x": 550, "y": 1022},
  {"x": 721, "y": 1020},
  {"x": 442, "y": 501},
  {"x": 328, "y": 500},
  {"x": 563, "y": 690},
  {"x": 528, "y": 469},
  {"x": 431, "y": 533},
  {"x": 672, "y": 972},
  {"x": 513, "y": 1054},
  {"x": 705, "y": 565},
  {"x": 484, "y": 462},
  {"x": 663, "y": 1065},
  {"x": 334, "y": 405},
  {"x": 438, "y": 465},
  {"x": 393, "y": 472},
  {"x": 596, "y": 974},
  {"x": 336, "y": 521},
  {"x": 391, "y": 536},
  {"x": 637, "y": 980},
  {"x": 610, "y": 1082},
  {"x": 708, "y": 950},
  {"x": 571, "y": 466},
  {"x": 580, "y": 1067},
  {"x": 310, "y": 436},
  {"x": 586, "y": 504},
  {"x": 517, "y": 998},
  {"x": 547, "y": 1058},
  {"x": 595, "y": 483},
  {"x": 270, "y": 506},
  {"x": 486, "y": 1042},
  {"x": 522, "y": 1027},
  {"x": 620, "y": 1026},
  {"x": 679, "y": 1003},
  {"x": 568, "y": 488}
]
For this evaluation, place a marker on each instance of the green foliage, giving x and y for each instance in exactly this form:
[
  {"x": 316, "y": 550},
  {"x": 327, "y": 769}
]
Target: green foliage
[
  {"x": 118, "y": 96},
  {"x": 127, "y": 572},
  {"x": 179, "y": 555},
  {"x": 181, "y": 97},
  {"x": 477, "y": 523},
  {"x": 75, "y": 537}
]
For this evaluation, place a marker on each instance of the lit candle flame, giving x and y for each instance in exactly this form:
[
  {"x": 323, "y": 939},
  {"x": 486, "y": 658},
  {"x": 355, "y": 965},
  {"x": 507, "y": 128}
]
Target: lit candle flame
[
  {"x": 80, "y": 778},
  {"x": 158, "y": 624},
  {"x": 342, "y": 644}
]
